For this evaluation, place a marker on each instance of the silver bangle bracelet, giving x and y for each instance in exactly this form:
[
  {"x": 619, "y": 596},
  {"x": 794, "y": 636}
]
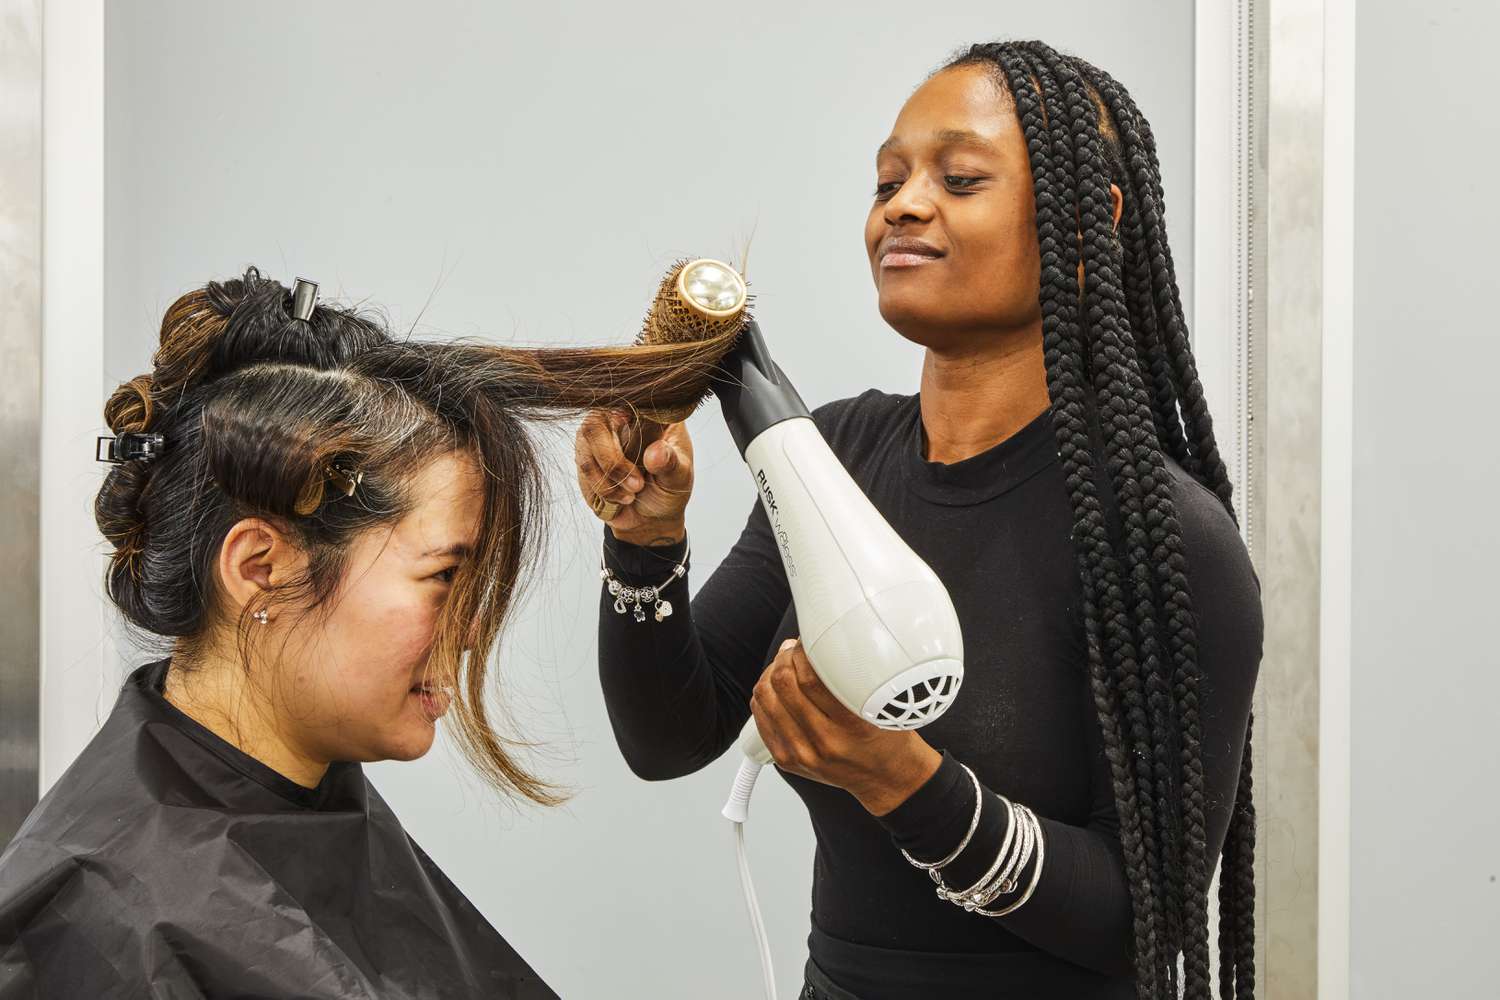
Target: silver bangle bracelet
[
  {"x": 625, "y": 595},
  {"x": 933, "y": 867},
  {"x": 1022, "y": 838},
  {"x": 1005, "y": 882},
  {"x": 1011, "y": 823},
  {"x": 1036, "y": 877}
]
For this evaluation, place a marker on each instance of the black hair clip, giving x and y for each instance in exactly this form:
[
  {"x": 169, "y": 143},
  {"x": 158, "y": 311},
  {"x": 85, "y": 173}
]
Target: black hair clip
[{"x": 128, "y": 447}]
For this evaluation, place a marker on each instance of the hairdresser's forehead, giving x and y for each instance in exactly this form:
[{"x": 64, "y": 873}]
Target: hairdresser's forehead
[
  {"x": 449, "y": 502},
  {"x": 961, "y": 107}
]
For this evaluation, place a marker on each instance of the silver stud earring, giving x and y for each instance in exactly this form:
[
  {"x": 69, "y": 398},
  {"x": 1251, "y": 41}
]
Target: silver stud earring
[{"x": 261, "y": 616}]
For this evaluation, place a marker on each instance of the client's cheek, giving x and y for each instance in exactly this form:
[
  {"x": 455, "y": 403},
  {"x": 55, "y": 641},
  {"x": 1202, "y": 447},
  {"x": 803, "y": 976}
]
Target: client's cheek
[{"x": 411, "y": 633}]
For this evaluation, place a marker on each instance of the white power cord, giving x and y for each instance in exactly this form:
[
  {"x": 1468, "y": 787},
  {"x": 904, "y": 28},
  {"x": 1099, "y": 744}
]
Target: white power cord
[
  {"x": 756, "y": 924},
  {"x": 737, "y": 810}
]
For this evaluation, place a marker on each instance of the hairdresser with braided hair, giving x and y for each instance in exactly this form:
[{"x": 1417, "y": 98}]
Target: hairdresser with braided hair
[{"x": 1057, "y": 469}]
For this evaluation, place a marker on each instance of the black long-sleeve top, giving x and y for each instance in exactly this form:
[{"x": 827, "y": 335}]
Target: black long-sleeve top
[{"x": 995, "y": 528}]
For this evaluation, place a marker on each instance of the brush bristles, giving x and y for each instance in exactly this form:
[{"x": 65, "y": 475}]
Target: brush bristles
[{"x": 670, "y": 320}]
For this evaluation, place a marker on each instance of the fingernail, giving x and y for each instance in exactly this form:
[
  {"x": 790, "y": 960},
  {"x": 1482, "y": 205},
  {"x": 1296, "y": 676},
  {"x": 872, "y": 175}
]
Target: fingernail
[
  {"x": 634, "y": 482},
  {"x": 788, "y": 644}
]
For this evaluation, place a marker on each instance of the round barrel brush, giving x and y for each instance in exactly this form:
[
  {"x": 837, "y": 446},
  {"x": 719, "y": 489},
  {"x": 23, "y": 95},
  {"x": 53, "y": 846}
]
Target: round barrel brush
[{"x": 704, "y": 302}]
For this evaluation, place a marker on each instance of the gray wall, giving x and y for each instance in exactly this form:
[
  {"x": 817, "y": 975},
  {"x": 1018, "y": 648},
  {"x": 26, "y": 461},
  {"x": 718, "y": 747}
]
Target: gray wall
[
  {"x": 1425, "y": 674},
  {"x": 526, "y": 172}
]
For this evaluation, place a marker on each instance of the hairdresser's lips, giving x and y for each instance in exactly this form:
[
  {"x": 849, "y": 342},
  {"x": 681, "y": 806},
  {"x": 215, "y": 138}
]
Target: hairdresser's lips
[
  {"x": 907, "y": 251},
  {"x": 433, "y": 700}
]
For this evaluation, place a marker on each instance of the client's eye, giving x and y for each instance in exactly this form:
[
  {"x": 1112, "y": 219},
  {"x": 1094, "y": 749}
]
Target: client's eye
[{"x": 446, "y": 575}]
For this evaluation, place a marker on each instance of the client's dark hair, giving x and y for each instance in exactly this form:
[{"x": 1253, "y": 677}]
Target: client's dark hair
[
  {"x": 257, "y": 409},
  {"x": 1126, "y": 395}
]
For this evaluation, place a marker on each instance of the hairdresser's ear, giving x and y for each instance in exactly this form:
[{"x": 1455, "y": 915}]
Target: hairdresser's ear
[
  {"x": 256, "y": 557},
  {"x": 1116, "y": 204}
]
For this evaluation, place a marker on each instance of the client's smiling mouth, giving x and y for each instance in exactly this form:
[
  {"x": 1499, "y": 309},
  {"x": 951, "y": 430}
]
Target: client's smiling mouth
[{"x": 434, "y": 697}]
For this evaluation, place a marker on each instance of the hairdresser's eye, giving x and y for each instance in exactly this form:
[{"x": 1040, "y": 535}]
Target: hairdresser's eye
[
  {"x": 960, "y": 182},
  {"x": 886, "y": 189}
]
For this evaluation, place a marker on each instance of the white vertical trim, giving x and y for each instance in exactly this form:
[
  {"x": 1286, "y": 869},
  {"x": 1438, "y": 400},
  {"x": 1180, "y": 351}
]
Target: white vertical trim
[
  {"x": 1337, "y": 572},
  {"x": 73, "y": 633}
]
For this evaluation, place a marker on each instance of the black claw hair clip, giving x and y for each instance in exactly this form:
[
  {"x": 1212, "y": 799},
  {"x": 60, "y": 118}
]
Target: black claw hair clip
[{"x": 127, "y": 447}]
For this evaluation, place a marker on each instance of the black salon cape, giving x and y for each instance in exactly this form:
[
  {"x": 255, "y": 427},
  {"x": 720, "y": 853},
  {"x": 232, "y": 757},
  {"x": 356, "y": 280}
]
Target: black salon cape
[{"x": 166, "y": 863}]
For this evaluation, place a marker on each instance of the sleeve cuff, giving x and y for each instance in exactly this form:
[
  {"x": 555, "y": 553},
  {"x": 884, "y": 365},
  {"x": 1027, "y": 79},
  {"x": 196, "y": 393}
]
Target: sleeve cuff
[
  {"x": 641, "y": 564},
  {"x": 936, "y": 814}
]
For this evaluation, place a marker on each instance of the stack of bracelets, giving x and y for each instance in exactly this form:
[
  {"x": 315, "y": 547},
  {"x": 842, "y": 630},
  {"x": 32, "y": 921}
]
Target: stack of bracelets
[{"x": 1023, "y": 837}]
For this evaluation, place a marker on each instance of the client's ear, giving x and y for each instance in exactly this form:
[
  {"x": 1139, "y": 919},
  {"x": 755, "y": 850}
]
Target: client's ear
[{"x": 256, "y": 557}]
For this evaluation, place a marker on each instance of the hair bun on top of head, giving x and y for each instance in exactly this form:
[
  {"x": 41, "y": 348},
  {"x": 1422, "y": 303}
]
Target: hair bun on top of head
[{"x": 257, "y": 320}]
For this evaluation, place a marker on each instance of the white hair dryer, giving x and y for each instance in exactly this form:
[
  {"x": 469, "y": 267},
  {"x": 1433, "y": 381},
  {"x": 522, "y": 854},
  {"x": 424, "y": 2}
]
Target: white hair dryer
[{"x": 876, "y": 622}]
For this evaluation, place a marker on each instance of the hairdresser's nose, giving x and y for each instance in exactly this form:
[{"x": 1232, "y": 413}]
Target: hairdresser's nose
[{"x": 912, "y": 202}]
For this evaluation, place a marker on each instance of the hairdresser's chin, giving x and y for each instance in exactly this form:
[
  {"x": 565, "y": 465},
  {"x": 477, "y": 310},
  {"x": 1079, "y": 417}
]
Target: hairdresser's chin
[{"x": 947, "y": 269}]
